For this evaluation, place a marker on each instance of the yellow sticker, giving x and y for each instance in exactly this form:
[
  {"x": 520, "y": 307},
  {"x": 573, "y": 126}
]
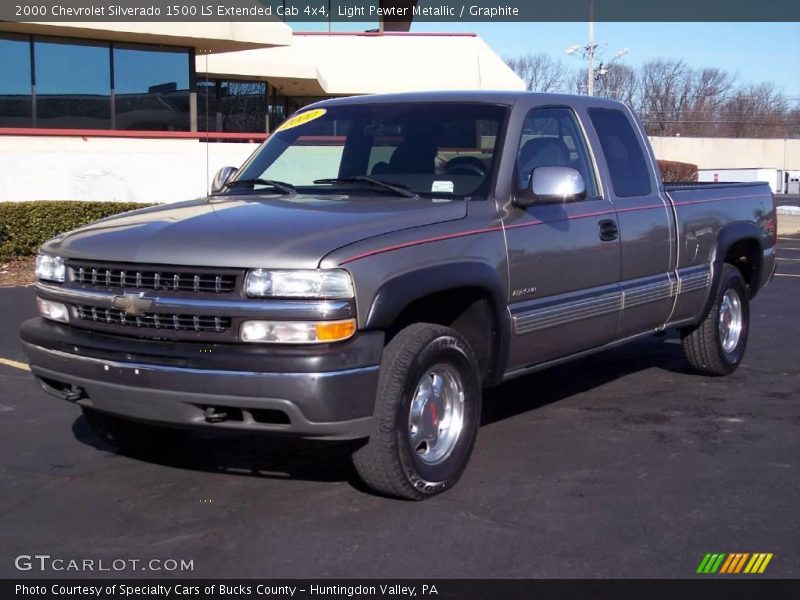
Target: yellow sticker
[{"x": 301, "y": 119}]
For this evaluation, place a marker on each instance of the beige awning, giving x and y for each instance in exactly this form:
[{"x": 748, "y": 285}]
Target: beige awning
[
  {"x": 345, "y": 64},
  {"x": 286, "y": 67},
  {"x": 222, "y": 36},
  {"x": 356, "y": 64}
]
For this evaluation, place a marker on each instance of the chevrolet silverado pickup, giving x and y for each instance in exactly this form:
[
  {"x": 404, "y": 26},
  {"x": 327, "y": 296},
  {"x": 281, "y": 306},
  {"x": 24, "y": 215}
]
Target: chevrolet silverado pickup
[{"x": 381, "y": 260}]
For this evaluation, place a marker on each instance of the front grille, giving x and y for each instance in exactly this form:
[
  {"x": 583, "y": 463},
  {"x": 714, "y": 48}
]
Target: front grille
[
  {"x": 153, "y": 279},
  {"x": 114, "y": 316}
]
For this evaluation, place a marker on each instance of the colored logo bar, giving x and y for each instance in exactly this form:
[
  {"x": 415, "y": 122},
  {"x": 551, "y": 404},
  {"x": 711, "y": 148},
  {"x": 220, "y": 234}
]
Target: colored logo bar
[{"x": 737, "y": 562}]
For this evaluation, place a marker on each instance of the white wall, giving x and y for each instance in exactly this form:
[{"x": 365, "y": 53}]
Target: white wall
[
  {"x": 167, "y": 170},
  {"x": 729, "y": 153},
  {"x": 107, "y": 169}
]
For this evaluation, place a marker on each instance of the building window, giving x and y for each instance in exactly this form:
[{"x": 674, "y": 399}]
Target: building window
[
  {"x": 151, "y": 89},
  {"x": 72, "y": 83},
  {"x": 242, "y": 106},
  {"x": 75, "y": 84},
  {"x": 16, "y": 106},
  {"x": 277, "y": 110},
  {"x": 232, "y": 105}
]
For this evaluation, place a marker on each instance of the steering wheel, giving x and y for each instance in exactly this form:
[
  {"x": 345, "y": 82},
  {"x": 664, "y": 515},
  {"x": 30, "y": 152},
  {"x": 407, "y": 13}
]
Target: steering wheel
[{"x": 465, "y": 165}]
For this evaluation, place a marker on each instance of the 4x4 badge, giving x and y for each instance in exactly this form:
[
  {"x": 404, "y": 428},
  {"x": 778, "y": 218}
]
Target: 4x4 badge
[{"x": 132, "y": 304}]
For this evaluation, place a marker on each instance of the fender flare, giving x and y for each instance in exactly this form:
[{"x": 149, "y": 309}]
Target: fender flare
[
  {"x": 727, "y": 237},
  {"x": 394, "y": 295}
]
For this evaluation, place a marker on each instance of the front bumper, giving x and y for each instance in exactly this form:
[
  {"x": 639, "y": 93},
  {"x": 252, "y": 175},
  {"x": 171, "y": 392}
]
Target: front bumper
[{"x": 321, "y": 392}]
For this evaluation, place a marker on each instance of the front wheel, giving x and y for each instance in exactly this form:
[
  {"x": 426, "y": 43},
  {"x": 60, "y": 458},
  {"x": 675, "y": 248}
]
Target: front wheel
[
  {"x": 427, "y": 414},
  {"x": 716, "y": 346}
]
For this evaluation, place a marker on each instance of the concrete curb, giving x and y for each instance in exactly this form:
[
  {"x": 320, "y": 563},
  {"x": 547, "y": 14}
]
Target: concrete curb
[
  {"x": 788, "y": 224},
  {"x": 788, "y": 209}
]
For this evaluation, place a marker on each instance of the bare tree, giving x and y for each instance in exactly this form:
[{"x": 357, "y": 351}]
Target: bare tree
[
  {"x": 710, "y": 90},
  {"x": 793, "y": 124},
  {"x": 540, "y": 72},
  {"x": 678, "y": 100},
  {"x": 576, "y": 82},
  {"x": 620, "y": 82},
  {"x": 666, "y": 92},
  {"x": 757, "y": 110},
  {"x": 673, "y": 98}
]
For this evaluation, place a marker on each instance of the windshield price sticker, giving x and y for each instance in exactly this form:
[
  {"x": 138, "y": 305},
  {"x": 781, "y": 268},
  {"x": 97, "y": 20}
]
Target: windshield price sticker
[
  {"x": 443, "y": 186},
  {"x": 301, "y": 119}
]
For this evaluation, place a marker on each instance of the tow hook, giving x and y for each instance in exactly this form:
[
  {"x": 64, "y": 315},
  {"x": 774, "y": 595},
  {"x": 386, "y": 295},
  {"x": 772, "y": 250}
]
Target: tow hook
[
  {"x": 214, "y": 416},
  {"x": 73, "y": 393},
  {"x": 62, "y": 389}
]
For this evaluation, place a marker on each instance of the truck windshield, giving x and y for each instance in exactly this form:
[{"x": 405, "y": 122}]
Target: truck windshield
[{"x": 425, "y": 148}]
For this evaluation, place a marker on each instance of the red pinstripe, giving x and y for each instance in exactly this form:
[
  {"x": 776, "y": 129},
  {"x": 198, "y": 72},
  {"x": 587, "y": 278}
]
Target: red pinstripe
[{"x": 532, "y": 223}]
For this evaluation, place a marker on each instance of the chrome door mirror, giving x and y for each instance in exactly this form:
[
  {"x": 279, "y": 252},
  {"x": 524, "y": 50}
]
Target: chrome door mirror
[
  {"x": 548, "y": 185},
  {"x": 222, "y": 177}
]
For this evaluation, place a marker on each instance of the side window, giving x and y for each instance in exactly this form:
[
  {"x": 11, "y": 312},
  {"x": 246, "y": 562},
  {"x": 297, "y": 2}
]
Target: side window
[
  {"x": 627, "y": 166},
  {"x": 551, "y": 137}
]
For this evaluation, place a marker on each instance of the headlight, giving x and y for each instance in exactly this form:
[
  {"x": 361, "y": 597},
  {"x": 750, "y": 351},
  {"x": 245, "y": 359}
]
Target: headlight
[
  {"x": 55, "y": 311},
  {"x": 328, "y": 284},
  {"x": 297, "y": 332},
  {"x": 50, "y": 268}
]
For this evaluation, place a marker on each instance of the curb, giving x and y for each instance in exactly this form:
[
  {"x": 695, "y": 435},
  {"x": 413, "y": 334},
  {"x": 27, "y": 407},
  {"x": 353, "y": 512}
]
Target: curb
[{"x": 788, "y": 224}]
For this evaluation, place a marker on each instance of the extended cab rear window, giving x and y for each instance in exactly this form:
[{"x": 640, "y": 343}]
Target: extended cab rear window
[{"x": 627, "y": 166}]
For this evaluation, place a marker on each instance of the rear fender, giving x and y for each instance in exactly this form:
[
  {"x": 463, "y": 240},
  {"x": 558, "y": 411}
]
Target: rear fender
[{"x": 728, "y": 236}]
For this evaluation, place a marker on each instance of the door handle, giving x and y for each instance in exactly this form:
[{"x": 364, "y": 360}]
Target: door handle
[{"x": 608, "y": 230}]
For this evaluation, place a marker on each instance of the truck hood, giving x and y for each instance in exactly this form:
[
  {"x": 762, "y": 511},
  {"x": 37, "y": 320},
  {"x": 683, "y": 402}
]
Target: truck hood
[{"x": 250, "y": 231}]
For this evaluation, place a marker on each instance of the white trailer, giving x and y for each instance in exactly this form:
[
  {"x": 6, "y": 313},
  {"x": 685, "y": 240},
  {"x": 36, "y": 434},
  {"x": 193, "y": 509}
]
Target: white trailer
[
  {"x": 774, "y": 177},
  {"x": 792, "y": 179}
]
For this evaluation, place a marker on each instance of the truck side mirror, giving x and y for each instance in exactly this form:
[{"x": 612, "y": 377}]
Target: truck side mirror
[
  {"x": 549, "y": 185},
  {"x": 222, "y": 177}
]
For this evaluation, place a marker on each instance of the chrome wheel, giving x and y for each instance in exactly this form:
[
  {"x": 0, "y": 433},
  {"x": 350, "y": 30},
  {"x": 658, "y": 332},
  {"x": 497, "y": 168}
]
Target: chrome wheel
[
  {"x": 436, "y": 416},
  {"x": 730, "y": 320}
]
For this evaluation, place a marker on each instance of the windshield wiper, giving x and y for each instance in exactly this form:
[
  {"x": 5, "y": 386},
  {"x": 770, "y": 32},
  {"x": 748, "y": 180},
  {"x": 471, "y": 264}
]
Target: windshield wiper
[
  {"x": 397, "y": 188},
  {"x": 281, "y": 186}
]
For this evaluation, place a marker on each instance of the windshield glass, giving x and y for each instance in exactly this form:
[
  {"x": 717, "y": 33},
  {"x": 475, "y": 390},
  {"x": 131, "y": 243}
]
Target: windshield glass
[{"x": 443, "y": 148}]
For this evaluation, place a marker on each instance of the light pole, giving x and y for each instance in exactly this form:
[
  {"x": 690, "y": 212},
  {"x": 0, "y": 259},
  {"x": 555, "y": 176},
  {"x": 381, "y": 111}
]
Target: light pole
[
  {"x": 589, "y": 51},
  {"x": 590, "y": 48}
]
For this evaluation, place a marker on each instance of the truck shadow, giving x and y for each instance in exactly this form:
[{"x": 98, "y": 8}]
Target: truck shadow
[
  {"x": 243, "y": 454},
  {"x": 254, "y": 455},
  {"x": 557, "y": 383}
]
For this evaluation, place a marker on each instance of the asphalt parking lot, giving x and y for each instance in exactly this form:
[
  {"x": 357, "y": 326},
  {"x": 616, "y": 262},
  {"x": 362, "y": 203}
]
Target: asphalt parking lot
[
  {"x": 787, "y": 200},
  {"x": 620, "y": 465}
]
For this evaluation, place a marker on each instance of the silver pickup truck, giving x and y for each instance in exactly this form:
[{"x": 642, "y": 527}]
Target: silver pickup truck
[{"x": 380, "y": 261}]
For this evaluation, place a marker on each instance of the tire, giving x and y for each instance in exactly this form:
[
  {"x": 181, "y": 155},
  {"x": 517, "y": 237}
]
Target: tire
[
  {"x": 132, "y": 436},
  {"x": 429, "y": 383},
  {"x": 716, "y": 346}
]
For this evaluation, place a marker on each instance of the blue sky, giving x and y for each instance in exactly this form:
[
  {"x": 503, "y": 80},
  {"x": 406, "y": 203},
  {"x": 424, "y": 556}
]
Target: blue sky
[{"x": 758, "y": 52}]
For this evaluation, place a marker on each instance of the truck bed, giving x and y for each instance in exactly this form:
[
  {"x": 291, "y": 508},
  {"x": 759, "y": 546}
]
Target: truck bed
[{"x": 705, "y": 185}]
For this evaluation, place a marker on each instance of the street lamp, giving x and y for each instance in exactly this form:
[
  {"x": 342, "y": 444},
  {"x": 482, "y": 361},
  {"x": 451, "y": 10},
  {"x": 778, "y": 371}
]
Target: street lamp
[
  {"x": 588, "y": 53},
  {"x": 603, "y": 68}
]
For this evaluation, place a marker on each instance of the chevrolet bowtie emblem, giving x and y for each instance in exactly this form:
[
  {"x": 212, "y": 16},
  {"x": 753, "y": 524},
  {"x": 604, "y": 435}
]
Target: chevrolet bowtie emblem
[{"x": 132, "y": 304}]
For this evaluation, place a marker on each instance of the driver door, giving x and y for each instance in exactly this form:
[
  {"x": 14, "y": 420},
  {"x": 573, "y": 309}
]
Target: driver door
[{"x": 564, "y": 265}]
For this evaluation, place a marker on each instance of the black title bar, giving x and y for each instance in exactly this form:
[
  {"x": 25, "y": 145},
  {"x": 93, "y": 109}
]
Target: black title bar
[
  {"x": 365, "y": 11},
  {"x": 706, "y": 587}
]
